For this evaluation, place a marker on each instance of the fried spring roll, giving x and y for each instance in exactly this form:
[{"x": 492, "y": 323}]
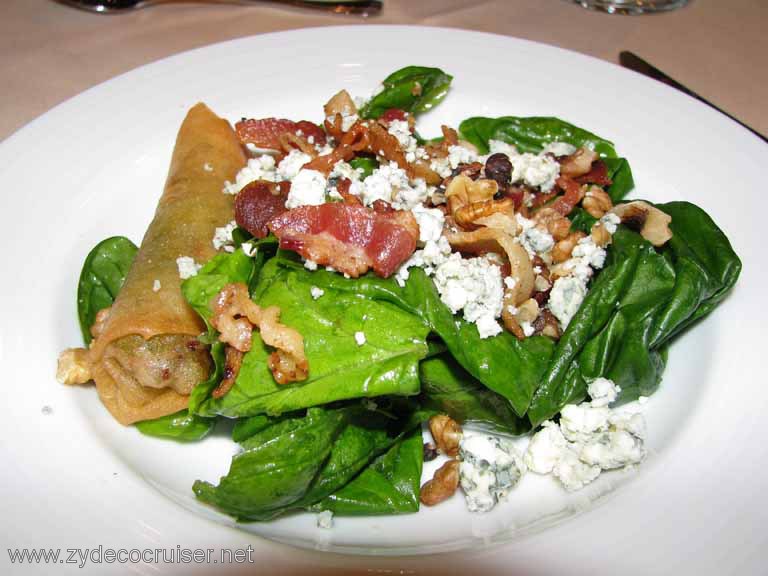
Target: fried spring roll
[{"x": 146, "y": 358}]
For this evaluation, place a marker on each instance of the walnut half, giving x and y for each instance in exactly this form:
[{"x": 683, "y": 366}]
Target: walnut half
[{"x": 73, "y": 366}]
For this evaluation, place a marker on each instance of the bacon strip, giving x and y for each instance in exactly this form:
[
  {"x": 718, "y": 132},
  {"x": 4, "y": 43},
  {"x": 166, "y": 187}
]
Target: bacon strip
[
  {"x": 598, "y": 174},
  {"x": 351, "y": 239},
  {"x": 257, "y": 203},
  {"x": 266, "y": 132},
  {"x": 573, "y": 195}
]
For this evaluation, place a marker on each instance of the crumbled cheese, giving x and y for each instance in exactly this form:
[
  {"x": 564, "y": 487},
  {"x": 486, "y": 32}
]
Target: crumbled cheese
[
  {"x": 590, "y": 253},
  {"x": 259, "y": 168},
  {"x": 325, "y": 520},
  {"x": 602, "y": 392},
  {"x": 290, "y": 165},
  {"x": 307, "y": 189},
  {"x": 590, "y": 438},
  {"x": 559, "y": 149},
  {"x": 222, "y": 237},
  {"x": 533, "y": 239},
  {"x": 402, "y": 131},
  {"x": 348, "y": 120},
  {"x": 360, "y": 338},
  {"x": 310, "y": 265},
  {"x": 572, "y": 472},
  {"x": 316, "y": 292},
  {"x": 249, "y": 249},
  {"x": 429, "y": 258},
  {"x": 187, "y": 267},
  {"x": 442, "y": 166},
  {"x": 460, "y": 155},
  {"x": 345, "y": 170},
  {"x": 610, "y": 222},
  {"x": 545, "y": 448},
  {"x": 490, "y": 467},
  {"x": 474, "y": 286},
  {"x": 390, "y": 183},
  {"x": 565, "y": 298},
  {"x": 580, "y": 422},
  {"x": 156, "y": 286},
  {"x": 430, "y": 221},
  {"x": 497, "y": 146},
  {"x": 538, "y": 171}
]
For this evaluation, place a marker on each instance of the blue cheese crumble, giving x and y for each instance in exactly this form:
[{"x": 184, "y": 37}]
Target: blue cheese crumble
[
  {"x": 590, "y": 438},
  {"x": 490, "y": 467}
]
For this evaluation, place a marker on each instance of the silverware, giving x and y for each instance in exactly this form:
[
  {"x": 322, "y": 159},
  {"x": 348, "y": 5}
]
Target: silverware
[
  {"x": 364, "y": 7},
  {"x": 634, "y": 62}
]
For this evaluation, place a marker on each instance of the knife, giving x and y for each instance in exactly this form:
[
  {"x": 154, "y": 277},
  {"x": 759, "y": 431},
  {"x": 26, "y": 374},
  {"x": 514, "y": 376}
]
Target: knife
[{"x": 634, "y": 62}]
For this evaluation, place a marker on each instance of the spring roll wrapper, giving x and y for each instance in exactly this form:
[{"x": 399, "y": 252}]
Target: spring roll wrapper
[{"x": 147, "y": 359}]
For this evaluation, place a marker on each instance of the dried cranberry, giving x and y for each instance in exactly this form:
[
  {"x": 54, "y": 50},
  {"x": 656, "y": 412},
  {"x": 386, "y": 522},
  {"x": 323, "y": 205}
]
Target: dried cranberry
[{"x": 499, "y": 168}]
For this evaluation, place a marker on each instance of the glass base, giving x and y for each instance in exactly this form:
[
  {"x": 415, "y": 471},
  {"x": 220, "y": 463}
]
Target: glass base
[{"x": 632, "y": 6}]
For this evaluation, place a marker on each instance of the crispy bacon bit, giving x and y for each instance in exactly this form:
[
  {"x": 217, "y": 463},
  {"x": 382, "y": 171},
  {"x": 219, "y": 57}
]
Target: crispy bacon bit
[
  {"x": 353, "y": 141},
  {"x": 573, "y": 195},
  {"x": 598, "y": 174},
  {"x": 257, "y": 203},
  {"x": 352, "y": 239},
  {"x": 233, "y": 361},
  {"x": 394, "y": 114},
  {"x": 235, "y": 316},
  {"x": 266, "y": 132},
  {"x": 385, "y": 144}
]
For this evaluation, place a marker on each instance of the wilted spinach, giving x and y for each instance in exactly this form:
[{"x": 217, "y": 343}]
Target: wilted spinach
[
  {"x": 181, "y": 426},
  {"x": 638, "y": 303}
]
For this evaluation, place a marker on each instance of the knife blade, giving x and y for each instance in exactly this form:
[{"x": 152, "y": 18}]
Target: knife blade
[{"x": 634, "y": 62}]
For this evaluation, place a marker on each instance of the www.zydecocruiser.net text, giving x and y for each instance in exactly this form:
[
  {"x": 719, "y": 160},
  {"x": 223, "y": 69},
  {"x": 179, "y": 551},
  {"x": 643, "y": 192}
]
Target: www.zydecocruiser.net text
[{"x": 82, "y": 557}]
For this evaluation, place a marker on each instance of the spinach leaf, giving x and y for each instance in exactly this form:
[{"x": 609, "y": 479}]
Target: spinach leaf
[
  {"x": 339, "y": 367},
  {"x": 636, "y": 306},
  {"x": 531, "y": 134},
  {"x": 447, "y": 388},
  {"x": 414, "y": 89},
  {"x": 101, "y": 278},
  {"x": 181, "y": 426},
  {"x": 504, "y": 364},
  {"x": 389, "y": 485},
  {"x": 221, "y": 270},
  {"x": 621, "y": 175},
  {"x": 244, "y": 428},
  {"x": 276, "y": 466},
  {"x": 366, "y": 163}
]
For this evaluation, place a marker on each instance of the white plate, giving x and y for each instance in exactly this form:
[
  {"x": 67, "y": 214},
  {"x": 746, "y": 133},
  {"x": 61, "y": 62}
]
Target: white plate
[{"x": 95, "y": 166}]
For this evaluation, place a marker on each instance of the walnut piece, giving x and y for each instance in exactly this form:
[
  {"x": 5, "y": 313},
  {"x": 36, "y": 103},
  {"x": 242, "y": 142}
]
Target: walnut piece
[
  {"x": 597, "y": 202},
  {"x": 73, "y": 366},
  {"x": 446, "y": 433},
  {"x": 442, "y": 485},
  {"x": 235, "y": 316}
]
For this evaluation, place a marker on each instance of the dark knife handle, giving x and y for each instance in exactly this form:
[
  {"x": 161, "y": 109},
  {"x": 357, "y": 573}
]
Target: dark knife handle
[{"x": 634, "y": 62}]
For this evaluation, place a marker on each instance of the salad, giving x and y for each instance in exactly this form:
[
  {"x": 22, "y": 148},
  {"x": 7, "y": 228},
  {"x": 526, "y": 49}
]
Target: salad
[{"x": 334, "y": 287}]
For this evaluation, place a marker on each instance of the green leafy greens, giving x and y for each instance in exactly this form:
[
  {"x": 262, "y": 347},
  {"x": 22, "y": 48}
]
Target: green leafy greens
[
  {"x": 414, "y": 89},
  {"x": 101, "y": 278}
]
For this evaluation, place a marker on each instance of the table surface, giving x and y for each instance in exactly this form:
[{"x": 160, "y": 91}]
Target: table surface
[{"x": 50, "y": 52}]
